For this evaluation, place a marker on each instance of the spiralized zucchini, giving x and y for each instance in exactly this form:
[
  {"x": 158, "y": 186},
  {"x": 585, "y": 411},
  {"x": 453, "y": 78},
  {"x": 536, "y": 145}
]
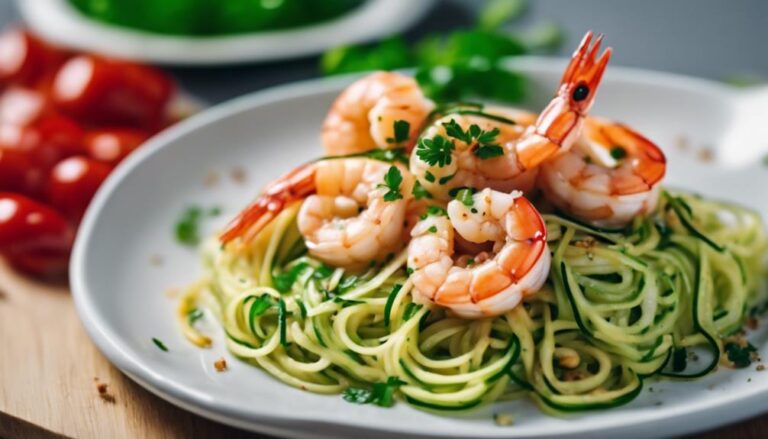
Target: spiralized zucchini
[{"x": 619, "y": 306}]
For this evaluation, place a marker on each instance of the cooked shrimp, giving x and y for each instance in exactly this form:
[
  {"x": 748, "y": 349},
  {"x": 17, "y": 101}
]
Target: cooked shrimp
[
  {"x": 489, "y": 283},
  {"x": 464, "y": 150},
  {"x": 363, "y": 116},
  {"x": 611, "y": 176},
  {"x": 349, "y": 216},
  {"x": 464, "y": 162}
]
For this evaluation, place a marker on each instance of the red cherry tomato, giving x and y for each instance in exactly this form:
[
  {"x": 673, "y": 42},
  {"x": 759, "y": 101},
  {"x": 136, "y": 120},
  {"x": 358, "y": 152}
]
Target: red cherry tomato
[
  {"x": 29, "y": 226},
  {"x": 46, "y": 142},
  {"x": 112, "y": 145},
  {"x": 73, "y": 182},
  {"x": 25, "y": 59},
  {"x": 105, "y": 91},
  {"x": 41, "y": 264},
  {"x": 22, "y": 105},
  {"x": 17, "y": 173}
]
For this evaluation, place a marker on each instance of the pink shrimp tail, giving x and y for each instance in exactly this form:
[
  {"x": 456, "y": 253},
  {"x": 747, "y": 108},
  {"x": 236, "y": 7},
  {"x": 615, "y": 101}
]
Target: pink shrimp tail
[
  {"x": 296, "y": 185},
  {"x": 559, "y": 124}
]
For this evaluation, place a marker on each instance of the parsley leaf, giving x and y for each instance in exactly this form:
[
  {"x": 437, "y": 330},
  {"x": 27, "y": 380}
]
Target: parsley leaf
[
  {"x": 437, "y": 211},
  {"x": 489, "y": 151},
  {"x": 420, "y": 192},
  {"x": 392, "y": 180},
  {"x": 381, "y": 394},
  {"x": 486, "y": 148},
  {"x": 402, "y": 131},
  {"x": 187, "y": 227},
  {"x": 740, "y": 356},
  {"x": 160, "y": 345},
  {"x": 435, "y": 151},
  {"x": 357, "y": 395},
  {"x": 465, "y": 196}
]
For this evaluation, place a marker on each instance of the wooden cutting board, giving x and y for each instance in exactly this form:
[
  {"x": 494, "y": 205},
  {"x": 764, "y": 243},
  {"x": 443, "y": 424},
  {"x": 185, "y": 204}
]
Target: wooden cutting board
[{"x": 50, "y": 374}]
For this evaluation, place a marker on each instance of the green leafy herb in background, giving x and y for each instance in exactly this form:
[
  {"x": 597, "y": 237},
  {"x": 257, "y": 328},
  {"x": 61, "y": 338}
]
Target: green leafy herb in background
[{"x": 459, "y": 65}]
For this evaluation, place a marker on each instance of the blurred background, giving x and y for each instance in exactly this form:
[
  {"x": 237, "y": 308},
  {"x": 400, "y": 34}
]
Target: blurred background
[
  {"x": 708, "y": 38},
  {"x": 85, "y": 82}
]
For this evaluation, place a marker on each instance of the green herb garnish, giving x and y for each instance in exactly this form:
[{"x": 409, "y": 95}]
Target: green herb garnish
[
  {"x": 419, "y": 192},
  {"x": 740, "y": 356},
  {"x": 322, "y": 272},
  {"x": 465, "y": 196},
  {"x": 434, "y": 211},
  {"x": 392, "y": 180},
  {"x": 402, "y": 130},
  {"x": 435, "y": 151},
  {"x": 160, "y": 345},
  {"x": 187, "y": 228},
  {"x": 432, "y": 229},
  {"x": 381, "y": 394},
  {"x": 489, "y": 151}
]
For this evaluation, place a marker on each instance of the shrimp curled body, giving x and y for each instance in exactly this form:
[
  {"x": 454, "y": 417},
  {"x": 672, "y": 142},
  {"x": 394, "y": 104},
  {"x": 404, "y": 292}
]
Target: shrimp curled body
[
  {"x": 348, "y": 223},
  {"x": 363, "y": 116},
  {"x": 344, "y": 217},
  {"x": 490, "y": 283},
  {"x": 611, "y": 176}
]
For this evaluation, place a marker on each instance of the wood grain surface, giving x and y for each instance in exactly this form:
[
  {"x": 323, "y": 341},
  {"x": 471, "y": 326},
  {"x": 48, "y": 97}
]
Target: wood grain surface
[{"x": 50, "y": 372}]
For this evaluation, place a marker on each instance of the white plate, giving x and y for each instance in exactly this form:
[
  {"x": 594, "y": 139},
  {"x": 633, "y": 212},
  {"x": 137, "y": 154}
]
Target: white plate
[
  {"x": 59, "y": 22},
  {"x": 121, "y": 297}
]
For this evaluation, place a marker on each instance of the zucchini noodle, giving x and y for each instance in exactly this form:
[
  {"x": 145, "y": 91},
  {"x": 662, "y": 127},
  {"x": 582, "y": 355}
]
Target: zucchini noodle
[{"x": 619, "y": 306}]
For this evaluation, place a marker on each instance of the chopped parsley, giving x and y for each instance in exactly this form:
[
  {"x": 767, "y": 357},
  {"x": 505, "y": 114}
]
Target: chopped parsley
[
  {"x": 465, "y": 196},
  {"x": 434, "y": 211},
  {"x": 618, "y": 153},
  {"x": 402, "y": 131},
  {"x": 392, "y": 180},
  {"x": 187, "y": 228},
  {"x": 489, "y": 151},
  {"x": 740, "y": 356},
  {"x": 160, "y": 345},
  {"x": 430, "y": 177},
  {"x": 432, "y": 229},
  {"x": 420, "y": 192},
  {"x": 435, "y": 151},
  {"x": 381, "y": 394}
]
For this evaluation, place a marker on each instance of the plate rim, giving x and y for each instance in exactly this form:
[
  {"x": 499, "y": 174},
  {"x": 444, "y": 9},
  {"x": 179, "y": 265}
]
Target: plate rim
[
  {"x": 56, "y": 20},
  {"x": 118, "y": 352}
]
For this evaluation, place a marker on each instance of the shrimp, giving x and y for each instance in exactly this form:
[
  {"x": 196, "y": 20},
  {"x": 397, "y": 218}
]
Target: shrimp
[
  {"x": 466, "y": 167},
  {"x": 348, "y": 217},
  {"x": 611, "y": 176},
  {"x": 480, "y": 151},
  {"x": 363, "y": 116},
  {"x": 489, "y": 283}
]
